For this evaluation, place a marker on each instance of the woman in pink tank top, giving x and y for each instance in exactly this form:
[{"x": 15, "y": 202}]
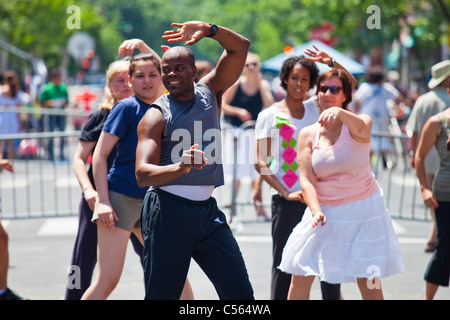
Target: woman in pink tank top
[{"x": 346, "y": 232}]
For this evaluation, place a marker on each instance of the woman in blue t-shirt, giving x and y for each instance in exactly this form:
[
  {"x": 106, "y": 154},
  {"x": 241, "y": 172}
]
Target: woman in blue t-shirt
[
  {"x": 84, "y": 254},
  {"x": 117, "y": 211}
]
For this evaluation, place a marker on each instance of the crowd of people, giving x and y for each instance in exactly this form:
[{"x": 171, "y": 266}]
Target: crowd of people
[{"x": 314, "y": 150}]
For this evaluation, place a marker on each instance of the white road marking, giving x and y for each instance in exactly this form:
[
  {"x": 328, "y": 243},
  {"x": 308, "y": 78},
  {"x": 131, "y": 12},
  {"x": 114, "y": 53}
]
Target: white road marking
[
  {"x": 5, "y": 223},
  {"x": 398, "y": 228},
  {"x": 59, "y": 227}
]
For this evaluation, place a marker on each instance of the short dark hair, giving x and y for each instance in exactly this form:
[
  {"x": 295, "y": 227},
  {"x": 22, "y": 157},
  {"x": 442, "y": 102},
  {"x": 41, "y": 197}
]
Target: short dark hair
[
  {"x": 55, "y": 72},
  {"x": 143, "y": 57},
  {"x": 346, "y": 84},
  {"x": 182, "y": 51},
  {"x": 289, "y": 64},
  {"x": 374, "y": 74}
]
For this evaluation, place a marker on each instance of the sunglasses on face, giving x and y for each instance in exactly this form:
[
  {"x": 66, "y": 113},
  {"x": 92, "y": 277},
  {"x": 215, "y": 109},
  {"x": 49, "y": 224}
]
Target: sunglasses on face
[
  {"x": 254, "y": 64},
  {"x": 333, "y": 89}
]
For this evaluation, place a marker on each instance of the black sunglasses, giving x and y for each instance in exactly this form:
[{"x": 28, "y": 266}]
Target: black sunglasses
[
  {"x": 333, "y": 89},
  {"x": 254, "y": 64}
]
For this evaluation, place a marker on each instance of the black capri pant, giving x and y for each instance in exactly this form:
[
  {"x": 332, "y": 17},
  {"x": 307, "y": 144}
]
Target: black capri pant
[{"x": 438, "y": 270}]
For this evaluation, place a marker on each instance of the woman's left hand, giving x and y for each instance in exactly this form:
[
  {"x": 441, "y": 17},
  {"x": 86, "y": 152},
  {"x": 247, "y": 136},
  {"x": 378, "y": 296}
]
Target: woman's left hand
[
  {"x": 319, "y": 56},
  {"x": 329, "y": 116}
]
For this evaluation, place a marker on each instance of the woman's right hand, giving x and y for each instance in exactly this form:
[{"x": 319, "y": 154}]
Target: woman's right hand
[
  {"x": 91, "y": 196},
  {"x": 429, "y": 199},
  {"x": 318, "y": 217},
  {"x": 106, "y": 215}
]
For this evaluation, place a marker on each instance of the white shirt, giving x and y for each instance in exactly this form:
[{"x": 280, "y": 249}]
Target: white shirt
[{"x": 283, "y": 130}]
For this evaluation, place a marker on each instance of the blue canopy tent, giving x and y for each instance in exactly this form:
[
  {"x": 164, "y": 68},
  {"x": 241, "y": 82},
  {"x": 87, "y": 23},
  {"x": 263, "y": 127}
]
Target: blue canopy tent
[{"x": 274, "y": 64}]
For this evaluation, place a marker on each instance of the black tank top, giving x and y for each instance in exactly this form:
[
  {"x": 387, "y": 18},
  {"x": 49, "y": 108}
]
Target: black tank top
[{"x": 252, "y": 104}]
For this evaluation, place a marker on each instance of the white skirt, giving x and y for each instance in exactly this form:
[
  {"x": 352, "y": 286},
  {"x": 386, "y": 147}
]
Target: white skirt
[{"x": 357, "y": 241}]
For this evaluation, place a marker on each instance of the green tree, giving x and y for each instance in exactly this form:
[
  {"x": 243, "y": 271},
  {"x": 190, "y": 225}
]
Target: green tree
[{"x": 40, "y": 27}]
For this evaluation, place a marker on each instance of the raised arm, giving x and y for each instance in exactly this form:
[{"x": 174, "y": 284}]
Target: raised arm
[
  {"x": 231, "y": 63},
  {"x": 129, "y": 46},
  {"x": 325, "y": 58}
]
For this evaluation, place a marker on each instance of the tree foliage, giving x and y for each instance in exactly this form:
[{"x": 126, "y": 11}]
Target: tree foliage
[{"x": 39, "y": 27}]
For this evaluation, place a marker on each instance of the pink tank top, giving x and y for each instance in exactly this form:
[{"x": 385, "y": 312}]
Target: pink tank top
[{"x": 342, "y": 170}]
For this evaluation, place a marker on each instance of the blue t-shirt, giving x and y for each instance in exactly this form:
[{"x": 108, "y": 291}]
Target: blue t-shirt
[{"x": 122, "y": 122}]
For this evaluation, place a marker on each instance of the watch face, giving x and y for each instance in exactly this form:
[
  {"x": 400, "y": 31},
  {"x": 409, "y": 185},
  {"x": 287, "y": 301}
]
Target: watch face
[{"x": 213, "y": 30}]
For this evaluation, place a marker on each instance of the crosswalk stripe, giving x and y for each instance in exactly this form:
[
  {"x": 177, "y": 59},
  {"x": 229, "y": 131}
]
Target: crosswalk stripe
[
  {"x": 5, "y": 223},
  {"x": 59, "y": 226},
  {"x": 69, "y": 226},
  {"x": 398, "y": 228}
]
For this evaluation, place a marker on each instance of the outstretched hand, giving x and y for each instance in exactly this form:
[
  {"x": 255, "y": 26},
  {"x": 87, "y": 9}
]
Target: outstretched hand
[
  {"x": 191, "y": 32},
  {"x": 319, "y": 56}
]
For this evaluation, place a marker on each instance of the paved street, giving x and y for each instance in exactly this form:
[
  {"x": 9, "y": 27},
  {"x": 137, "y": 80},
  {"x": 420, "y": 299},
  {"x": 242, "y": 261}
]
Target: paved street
[
  {"x": 40, "y": 251},
  {"x": 41, "y": 248}
]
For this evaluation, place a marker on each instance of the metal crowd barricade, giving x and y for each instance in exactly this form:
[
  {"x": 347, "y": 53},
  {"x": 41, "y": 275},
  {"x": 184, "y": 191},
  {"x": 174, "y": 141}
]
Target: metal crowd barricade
[
  {"x": 38, "y": 187},
  {"x": 249, "y": 125},
  {"x": 397, "y": 179},
  {"x": 41, "y": 188}
]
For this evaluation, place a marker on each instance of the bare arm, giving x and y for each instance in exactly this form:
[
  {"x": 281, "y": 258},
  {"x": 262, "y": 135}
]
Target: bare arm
[
  {"x": 266, "y": 93},
  {"x": 82, "y": 153},
  {"x": 430, "y": 132},
  {"x": 308, "y": 178},
  {"x": 105, "y": 144},
  {"x": 360, "y": 126},
  {"x": 231, "y": 110},
  {"x": 148, "y": 151},
  {"x": 262, "y": 156},
  {"x": 325, "y": 58},
  {"x": 230, "y": 64},
  {"x": 448, "y": 143},
  {"x": 128, "y": 46},
  {"x": 413, "y": 147}
]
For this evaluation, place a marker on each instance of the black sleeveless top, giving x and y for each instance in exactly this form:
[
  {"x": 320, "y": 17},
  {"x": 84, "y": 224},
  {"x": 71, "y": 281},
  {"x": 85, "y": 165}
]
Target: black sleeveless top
[{"x": 252, "y": 104}]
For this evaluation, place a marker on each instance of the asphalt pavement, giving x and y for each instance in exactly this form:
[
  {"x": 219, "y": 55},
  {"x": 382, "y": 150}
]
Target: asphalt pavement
[
  {"x": 40, "y": 247},
  {"x": 40, "y": 252}
]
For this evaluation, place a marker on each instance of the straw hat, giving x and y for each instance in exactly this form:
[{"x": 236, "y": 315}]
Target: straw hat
[{"x": 439, "y": 72}]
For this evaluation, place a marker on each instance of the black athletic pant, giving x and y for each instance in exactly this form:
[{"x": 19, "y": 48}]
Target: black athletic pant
[
  {"x": 285, "y": 216},
  {"x": 438, "y": 269},
  {"x": 174, "y": 230}
]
